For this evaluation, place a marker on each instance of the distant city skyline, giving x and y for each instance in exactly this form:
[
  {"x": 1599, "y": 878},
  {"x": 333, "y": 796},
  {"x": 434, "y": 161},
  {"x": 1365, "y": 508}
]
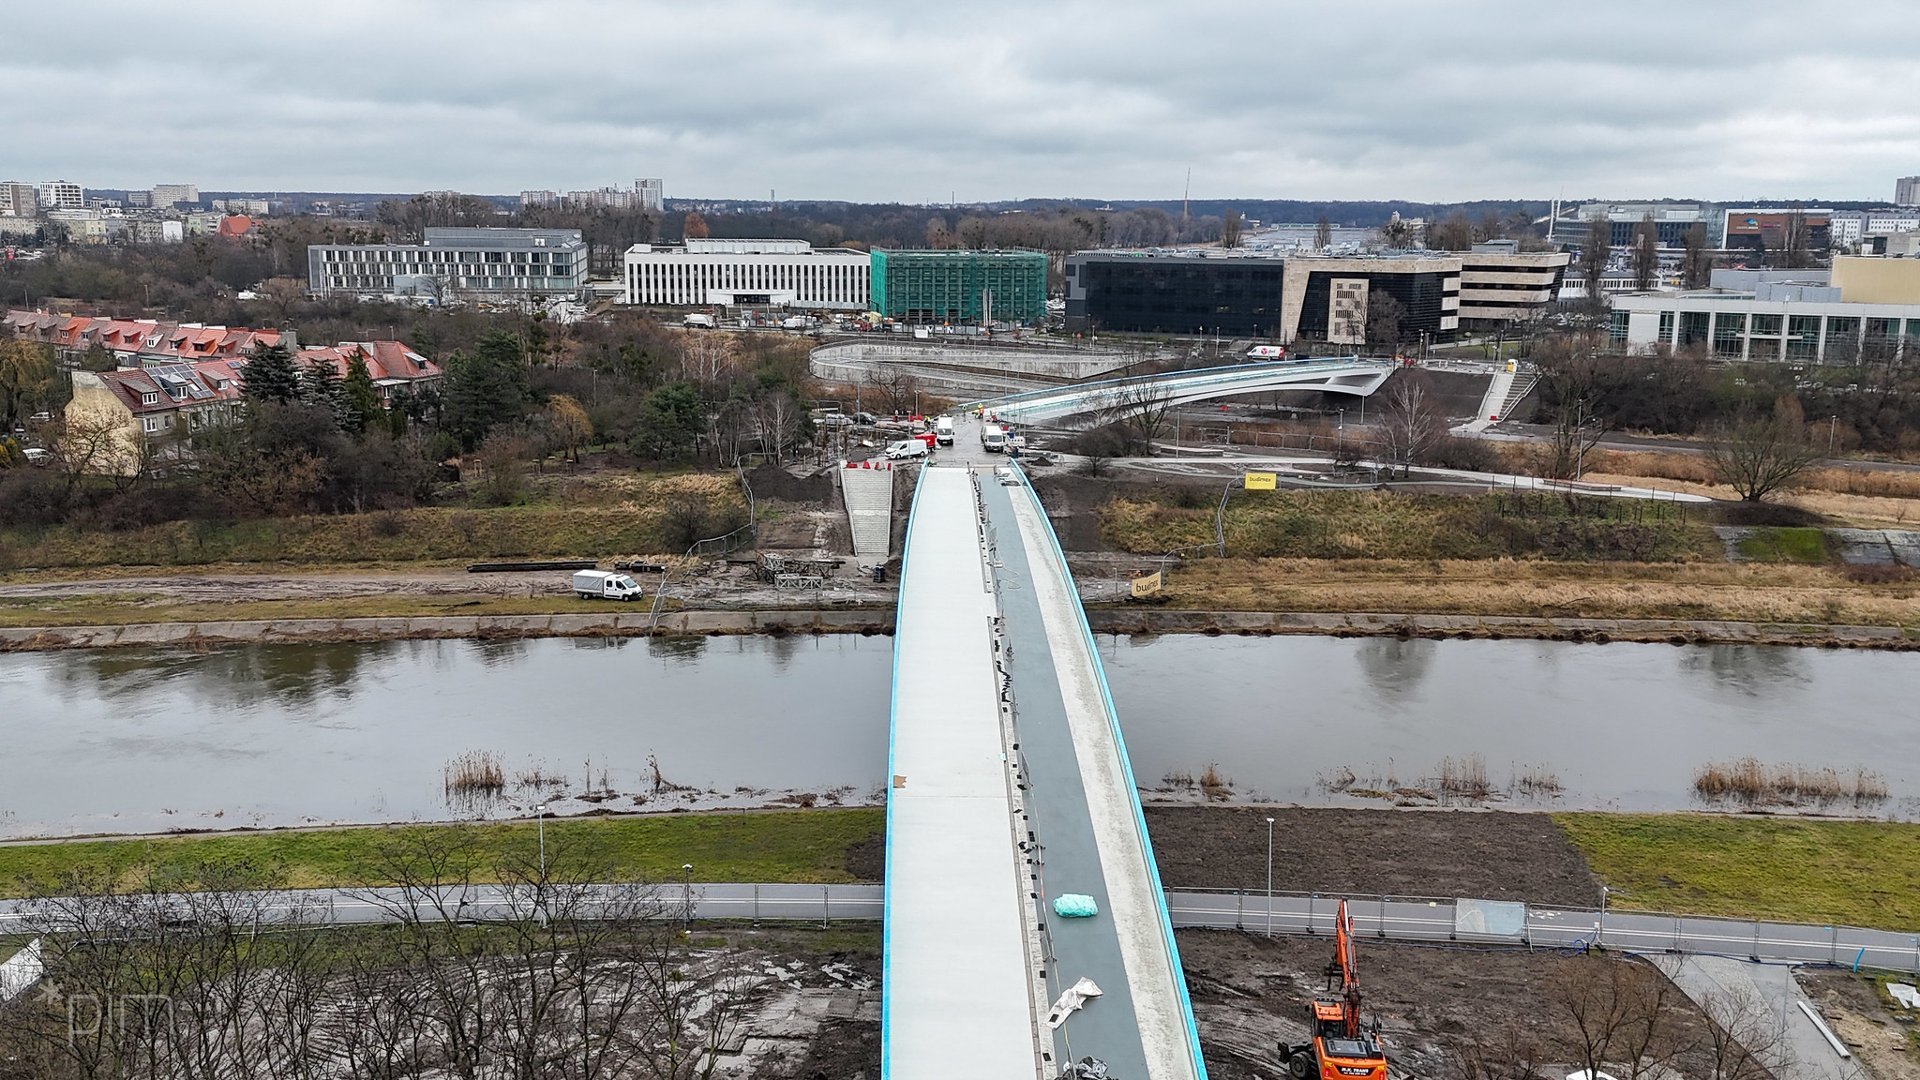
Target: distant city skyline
[{"x": 869, "y": 101}]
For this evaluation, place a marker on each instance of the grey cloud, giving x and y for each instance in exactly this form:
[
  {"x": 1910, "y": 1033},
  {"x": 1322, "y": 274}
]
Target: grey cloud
[{"x": 868, "y": 99}]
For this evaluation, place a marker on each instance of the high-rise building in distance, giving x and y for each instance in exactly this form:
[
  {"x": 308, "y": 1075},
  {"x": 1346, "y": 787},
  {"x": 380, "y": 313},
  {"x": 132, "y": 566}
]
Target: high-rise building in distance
[{"x": 1906, "y": 191}]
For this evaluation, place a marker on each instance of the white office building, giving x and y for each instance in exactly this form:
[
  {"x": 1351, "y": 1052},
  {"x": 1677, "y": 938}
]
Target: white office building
[
  {"x": 166, "y": 195},
  {"x": 1862, "y": 306},
  {"x": 62, "y": 195},
  {"x": 726, "y": 273}
]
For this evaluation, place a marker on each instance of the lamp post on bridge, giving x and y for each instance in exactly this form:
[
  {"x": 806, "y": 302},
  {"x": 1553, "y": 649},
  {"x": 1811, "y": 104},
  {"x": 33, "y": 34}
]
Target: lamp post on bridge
[{"x": 1269, "y": 877}]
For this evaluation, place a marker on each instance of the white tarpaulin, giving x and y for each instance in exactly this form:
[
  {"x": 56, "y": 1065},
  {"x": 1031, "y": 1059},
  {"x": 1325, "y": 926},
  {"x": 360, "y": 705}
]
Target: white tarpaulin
[
  {"x": 1071, "y": 999},
  {"x": 1490, "y": 918},
  {"x": 21, "y": 971}
]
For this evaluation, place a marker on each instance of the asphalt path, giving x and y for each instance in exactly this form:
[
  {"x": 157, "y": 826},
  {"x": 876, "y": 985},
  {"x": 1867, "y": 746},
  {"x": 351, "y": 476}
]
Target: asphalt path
[{"x": 1392, "y": 919}]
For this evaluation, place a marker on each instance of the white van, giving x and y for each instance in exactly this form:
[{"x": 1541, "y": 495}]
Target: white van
[
  {"x": 605, "y": 584},
  {"x": 907, "y": 448},
  {"x": 993, "y": 438},
  {"x": 943, "y": 430}
]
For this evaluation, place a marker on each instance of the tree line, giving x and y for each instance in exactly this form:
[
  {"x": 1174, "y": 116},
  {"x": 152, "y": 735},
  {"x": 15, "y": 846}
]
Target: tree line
[{"x": 210, "y": 972}]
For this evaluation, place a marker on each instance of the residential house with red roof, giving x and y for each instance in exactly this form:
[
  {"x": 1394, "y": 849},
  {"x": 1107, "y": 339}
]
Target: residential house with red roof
[
  {"x": 392, "y": 365},
  {"x": 121, "y": 421}
]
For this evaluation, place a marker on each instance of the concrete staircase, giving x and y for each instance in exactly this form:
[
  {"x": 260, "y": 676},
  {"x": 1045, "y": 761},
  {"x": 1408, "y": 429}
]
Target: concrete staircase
[
  {"x": 866, "y": 489},
  {"x": 1505, "y": 391}
]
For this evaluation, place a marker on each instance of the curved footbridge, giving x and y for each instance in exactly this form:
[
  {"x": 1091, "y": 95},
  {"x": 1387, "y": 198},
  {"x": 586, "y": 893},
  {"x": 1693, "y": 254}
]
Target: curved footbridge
[
  {"x": 1009, "y": 787},
  {"x": 1352, "y": 375}
]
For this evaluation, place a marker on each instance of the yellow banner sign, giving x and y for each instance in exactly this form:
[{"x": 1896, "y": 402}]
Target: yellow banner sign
[
  {"x": 1147, "y": 586},
  {"x": 1262, "y": 481}
]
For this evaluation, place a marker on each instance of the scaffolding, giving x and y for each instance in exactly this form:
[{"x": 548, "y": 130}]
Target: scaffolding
[{"x": 960, "y": 286}]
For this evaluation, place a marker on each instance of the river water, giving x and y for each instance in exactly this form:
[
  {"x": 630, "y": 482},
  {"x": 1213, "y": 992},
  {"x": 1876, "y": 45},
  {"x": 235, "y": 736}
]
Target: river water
[{"x": 155, "y": 740}]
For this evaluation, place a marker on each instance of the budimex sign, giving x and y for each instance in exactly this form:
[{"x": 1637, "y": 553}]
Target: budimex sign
[{"x": 1262, "y": 481}]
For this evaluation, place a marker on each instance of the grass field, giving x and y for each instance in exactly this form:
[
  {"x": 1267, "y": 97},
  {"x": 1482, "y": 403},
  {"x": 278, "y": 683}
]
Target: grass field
[
  {"x": 1796, "y": 545},
  {"x": 1393, "y": 525},
  {"x": 783, "y": 846},
  {"x": 1859, "y": 873},
  {"x": 1766, "y": 593},
  {"x": 631, "y": 516}
]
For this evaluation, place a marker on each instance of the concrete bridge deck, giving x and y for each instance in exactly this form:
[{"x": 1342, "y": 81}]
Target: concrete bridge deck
[{"x": 1011, "y": 787}]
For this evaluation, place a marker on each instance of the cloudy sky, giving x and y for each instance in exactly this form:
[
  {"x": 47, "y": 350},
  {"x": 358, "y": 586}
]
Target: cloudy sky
[{"x": 916, "y": 101}]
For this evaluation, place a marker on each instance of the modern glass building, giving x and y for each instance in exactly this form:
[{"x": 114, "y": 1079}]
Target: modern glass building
[
  {"x": 450, "y": 263},
  {"x": 1261, "y": 296},
  {"x": 959, "y": 286}
]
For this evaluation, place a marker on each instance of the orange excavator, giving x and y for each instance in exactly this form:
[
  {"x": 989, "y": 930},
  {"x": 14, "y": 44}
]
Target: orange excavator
[{"x": 1341, "y": 1049}]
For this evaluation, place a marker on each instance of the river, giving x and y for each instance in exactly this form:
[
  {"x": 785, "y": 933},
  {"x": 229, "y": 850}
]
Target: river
[{"x": 122, "y": 741}]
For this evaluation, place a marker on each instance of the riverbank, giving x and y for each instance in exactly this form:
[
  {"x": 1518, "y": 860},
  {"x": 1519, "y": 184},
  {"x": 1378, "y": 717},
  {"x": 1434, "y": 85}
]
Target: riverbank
[
  {"x": 823, "y": 845},
  {"x": 871, "y": 619},
  {"x": 1812, "y": 871}
]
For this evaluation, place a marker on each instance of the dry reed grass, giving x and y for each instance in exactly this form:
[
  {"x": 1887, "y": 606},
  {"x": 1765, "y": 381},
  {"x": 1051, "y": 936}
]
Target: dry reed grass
[
  {"x": 1215, "y": 786},
  {"x": 1465, "y": 776},
  {"x": 1751, "y": 782},
  {"x": 476, "y": 772},
  {"x": 1537, "y": 780}
]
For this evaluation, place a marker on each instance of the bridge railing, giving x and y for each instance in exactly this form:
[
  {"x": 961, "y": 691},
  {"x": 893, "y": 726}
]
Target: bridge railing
[{"x": 1263, "y": 366}]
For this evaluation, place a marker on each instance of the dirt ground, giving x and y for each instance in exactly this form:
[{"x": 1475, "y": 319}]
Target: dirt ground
[
  {"x": 1881, "y": 1036},
  {"x": 1432, "y": 1003},
  {"x": 1482, "y": 855}
]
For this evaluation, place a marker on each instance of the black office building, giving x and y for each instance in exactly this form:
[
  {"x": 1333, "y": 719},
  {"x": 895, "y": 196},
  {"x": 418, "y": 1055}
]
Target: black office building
[
  {"x": 1260, "y": 296},
  {"x": 1174, "y": 294}
]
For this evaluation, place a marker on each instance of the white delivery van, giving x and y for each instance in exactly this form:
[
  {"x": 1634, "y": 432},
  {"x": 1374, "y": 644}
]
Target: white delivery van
[
  {"x": 589, "y": 584},
  {"x": 993, "y": 438},
  {"x": 907, "y": 448},
  {"x": 943, "y": 430}
]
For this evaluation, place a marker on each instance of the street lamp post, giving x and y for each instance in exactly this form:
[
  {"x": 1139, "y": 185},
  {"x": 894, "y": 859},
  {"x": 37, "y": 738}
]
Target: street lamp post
[
  {"x": 1269, "y": 877},
  {"x": 687, "y": 870},
  {"x": 540, "y": 823},
  {"x": 1600, "y": 938}
]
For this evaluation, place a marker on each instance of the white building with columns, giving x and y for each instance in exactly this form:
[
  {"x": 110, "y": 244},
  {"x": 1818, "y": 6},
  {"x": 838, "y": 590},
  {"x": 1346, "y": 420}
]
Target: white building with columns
[{"x": 726, "y": 273}]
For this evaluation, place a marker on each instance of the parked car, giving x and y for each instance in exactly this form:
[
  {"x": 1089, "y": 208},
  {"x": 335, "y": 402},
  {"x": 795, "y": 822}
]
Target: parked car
[{"x": 38, "y": 455}]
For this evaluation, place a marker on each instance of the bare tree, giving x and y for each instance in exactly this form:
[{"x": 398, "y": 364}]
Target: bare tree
[
  {"x": 1410, "y": 425},
  {"x": 1758, "y": 456},
  {"x": 1385, "y": 315},
  {"x": 894, "y": 388},
  {"x": 1646, "y": 254},
  {"x": 1696, "y": 262},
  {"x": 1232, "y": 227},
  {"x": 1593, "y": 256},
  {"x": 1322, "y": 233},
  {"x": 1620, "y": 1015},
  {"x": 1744, "y": 1038},
  {"x": 1510, "y": 1052},
  {"x": 1795, "y": 242},
  {"x": 1143, "y": 411}
]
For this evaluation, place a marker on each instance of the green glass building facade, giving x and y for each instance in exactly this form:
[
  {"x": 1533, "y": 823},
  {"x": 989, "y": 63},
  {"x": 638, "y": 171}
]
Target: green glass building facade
[{"x": 960, "y": 286}]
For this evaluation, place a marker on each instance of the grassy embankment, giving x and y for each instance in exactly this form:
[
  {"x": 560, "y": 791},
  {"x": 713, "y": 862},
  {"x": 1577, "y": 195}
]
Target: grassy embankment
[
  {"x": 783, "y": 846},
  {"x": 1860, "y": 873},
  {"x": 606, "y": 516},
  {"x": 1342, "y": 551}
]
